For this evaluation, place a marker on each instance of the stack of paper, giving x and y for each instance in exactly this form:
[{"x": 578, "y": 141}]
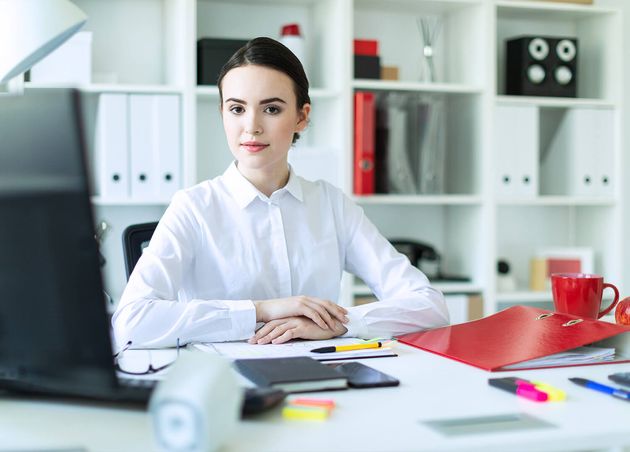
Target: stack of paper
[
  {"x": 579, "y": 355},
  {"x": 243, "y": 350}
]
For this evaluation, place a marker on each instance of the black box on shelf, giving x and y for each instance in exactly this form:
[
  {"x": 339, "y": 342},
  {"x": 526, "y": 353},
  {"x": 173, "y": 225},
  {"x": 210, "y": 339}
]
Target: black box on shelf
[
  {"x": 367, "y": 66},
  {"x": 212, "y": 54},
  {"x": 541, "y": 66}
]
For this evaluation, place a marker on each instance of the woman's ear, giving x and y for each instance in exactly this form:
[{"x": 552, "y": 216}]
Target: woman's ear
[{"x": 303, "y": 115}]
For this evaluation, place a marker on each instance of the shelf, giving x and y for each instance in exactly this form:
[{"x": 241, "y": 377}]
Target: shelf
[
  {"x": 471, "y": 224},
  {"x": 445, "y": 288},
  {"x": 556, "y": 201},
  {"x": 103, "y": 202},
  {"x": 555, "y": 102},
  {"x": 420, "y": 87},
  {"x": 536, "y": 11},
  {"x": 524, "y": 296},
  {"x": 412, "y": 6},
  {"x": 111, "y": 88},
  {"x": 452, "y": 200},
  {"x": 212, "y": 92}
]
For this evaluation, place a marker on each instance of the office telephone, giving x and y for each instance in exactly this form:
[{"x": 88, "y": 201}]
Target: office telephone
[{"x": 426, "y": 258}]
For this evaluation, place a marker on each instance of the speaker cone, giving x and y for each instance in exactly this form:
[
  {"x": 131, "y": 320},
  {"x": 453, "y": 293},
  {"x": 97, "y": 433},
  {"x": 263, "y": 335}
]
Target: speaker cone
[
  {"x": 566, "y": 50},
  {"x": 563, "y": 75},
  {"x": 536, "y": 74},
  {"x": 538, "y": 49}
]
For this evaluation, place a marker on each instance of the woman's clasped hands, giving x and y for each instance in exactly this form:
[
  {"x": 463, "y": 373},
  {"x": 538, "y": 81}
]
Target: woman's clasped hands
[{"x": 298, "y": 317}]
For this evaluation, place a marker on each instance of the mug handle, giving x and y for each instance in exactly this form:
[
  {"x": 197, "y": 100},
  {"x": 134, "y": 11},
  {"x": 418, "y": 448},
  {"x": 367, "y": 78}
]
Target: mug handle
[{"x": 612, "y": 305}]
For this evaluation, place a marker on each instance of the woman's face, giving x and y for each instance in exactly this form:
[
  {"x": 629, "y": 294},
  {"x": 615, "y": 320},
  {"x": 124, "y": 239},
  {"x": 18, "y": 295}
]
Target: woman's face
[{"x": 260, "y": 117}]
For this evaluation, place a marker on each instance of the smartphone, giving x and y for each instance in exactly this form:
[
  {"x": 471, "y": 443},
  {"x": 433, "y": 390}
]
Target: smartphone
[
  {"x": 623, "y": 378},
  {"x": 362, "y": 376}
]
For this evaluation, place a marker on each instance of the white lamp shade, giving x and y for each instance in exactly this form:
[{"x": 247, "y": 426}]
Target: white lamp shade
[{"x": 31, "y": 29}]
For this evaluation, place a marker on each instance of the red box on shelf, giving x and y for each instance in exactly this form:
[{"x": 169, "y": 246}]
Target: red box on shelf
[{"x": 368, "y": 47}]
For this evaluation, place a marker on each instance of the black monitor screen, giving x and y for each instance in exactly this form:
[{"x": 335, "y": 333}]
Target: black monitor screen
[{"x": 53, "y": 321}]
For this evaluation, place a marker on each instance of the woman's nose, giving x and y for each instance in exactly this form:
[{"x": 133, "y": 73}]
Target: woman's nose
[{"x": 253, "y": 126}]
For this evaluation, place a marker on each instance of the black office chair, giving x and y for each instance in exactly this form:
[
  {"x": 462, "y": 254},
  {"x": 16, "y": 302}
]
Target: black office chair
[{"x": 136, "y": 238}]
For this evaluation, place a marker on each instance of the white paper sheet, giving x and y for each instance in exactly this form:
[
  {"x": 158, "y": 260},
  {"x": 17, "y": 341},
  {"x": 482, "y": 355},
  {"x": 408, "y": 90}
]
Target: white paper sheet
[
  {"x": 579, "y": 355},
  {"x": 243, "y": 350}
]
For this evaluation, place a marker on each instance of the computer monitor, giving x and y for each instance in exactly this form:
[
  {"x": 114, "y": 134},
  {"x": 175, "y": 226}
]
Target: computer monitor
[{"x": 54, "y": 333}]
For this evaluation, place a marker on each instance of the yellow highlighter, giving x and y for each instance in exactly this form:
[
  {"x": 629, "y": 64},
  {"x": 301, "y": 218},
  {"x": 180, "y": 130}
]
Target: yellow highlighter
[
  {"x": 345, "y": 348},
  {"x": 302, "y": 413},
  {"x": 554, "y": 394}
]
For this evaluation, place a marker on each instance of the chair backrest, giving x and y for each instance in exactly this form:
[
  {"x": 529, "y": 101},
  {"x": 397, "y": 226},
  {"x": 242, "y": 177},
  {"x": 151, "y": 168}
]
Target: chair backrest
[{"x": 135, "y": 238}]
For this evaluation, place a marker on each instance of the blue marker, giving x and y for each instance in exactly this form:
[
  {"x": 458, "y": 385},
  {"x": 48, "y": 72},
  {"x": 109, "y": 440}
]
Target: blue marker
[{"x": 619, "y": 393}]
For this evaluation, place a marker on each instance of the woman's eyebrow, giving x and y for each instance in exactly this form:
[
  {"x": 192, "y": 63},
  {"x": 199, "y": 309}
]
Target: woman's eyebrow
[
  {"x": 264, "y": 101},
  {"x": 271, "y": 99}
]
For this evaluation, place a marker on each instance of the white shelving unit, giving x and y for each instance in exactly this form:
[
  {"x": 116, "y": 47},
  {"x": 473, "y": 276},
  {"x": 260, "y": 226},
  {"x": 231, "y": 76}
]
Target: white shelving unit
[
  {"x": 524, "y": 224},
  {"x": 142, "y": 46}
]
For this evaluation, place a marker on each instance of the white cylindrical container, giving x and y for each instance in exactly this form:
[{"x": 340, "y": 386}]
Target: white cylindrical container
[{"x": 291, "y": 37}]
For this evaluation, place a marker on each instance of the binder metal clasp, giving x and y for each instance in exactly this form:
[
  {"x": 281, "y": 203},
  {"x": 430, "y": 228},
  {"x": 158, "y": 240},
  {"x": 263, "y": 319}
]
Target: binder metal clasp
[{"x": 544, "y": 316}]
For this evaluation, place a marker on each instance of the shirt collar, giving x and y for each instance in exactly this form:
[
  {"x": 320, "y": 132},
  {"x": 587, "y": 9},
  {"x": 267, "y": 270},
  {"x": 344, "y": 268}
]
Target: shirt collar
[{"x": 244, "y": 192}]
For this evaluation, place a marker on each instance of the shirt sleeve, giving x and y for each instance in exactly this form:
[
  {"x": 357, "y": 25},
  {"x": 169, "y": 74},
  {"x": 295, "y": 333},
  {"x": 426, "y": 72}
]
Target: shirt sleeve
[
  {"x": 150, "y": 314},
  {"x": 407, "y": 302}
]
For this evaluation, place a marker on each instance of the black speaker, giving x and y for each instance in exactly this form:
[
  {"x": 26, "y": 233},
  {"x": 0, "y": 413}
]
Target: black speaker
[{"x": 542, "y": 66}]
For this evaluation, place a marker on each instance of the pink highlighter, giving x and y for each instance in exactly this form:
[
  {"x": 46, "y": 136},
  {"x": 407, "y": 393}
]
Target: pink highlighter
[{"x": 521, "y": 388}]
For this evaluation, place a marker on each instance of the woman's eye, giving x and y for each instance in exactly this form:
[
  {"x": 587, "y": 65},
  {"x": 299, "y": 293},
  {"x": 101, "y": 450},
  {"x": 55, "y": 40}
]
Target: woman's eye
[
  {"x": 236, "y": 109},
  {"x": 272, "y": 109}
]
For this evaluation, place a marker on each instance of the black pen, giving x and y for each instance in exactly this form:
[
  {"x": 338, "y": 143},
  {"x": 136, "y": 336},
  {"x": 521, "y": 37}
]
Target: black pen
[{"x": 619, "y": 393}]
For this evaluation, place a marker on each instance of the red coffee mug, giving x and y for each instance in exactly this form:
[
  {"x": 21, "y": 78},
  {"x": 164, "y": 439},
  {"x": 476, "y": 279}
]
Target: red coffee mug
[{"x": 581, "y": 294}]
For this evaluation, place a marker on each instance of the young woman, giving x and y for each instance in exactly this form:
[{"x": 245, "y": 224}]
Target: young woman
[{"x": 259, "y": 244}]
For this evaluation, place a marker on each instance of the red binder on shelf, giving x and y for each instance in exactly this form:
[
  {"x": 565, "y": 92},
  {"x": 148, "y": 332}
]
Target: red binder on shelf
[
  {"x": 364, "y": 138},
  {"x": 518, "y": 334}
]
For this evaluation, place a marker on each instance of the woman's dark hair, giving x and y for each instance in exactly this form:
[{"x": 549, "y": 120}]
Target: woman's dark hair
[{"x": 272, "y": 54}]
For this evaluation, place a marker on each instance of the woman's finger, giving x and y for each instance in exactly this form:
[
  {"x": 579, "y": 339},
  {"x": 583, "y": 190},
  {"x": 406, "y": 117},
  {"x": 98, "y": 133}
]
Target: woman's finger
[
  {"x": 277, "y": 331},
  {"x": 334, "y": 309},
  {"x": 323, "y": 313},
  {"x": 311, "y": 313},
  {"x": 263, "y": 331},
  {"x": 285, "y": 337}
]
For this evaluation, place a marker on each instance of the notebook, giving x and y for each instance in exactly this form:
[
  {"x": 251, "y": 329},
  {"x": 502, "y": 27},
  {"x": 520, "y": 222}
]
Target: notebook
[{"x": 295, "y": 374}]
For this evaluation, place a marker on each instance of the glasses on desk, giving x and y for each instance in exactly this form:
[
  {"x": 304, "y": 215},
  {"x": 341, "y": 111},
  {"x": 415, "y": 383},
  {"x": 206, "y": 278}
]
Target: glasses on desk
[{"x": 149, "y": 370}]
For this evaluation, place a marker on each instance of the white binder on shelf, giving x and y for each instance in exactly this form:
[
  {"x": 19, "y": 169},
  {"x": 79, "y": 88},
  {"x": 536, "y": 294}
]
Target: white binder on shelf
[
  {"x": 167, "y": 146},
  {"x": 603, "y": 126},
  {"x": 142, "y": 141},
  {"x": 111, "y": 169},
  {"x": 516, "y": 150},
  {"x": 579, "y": 161}
]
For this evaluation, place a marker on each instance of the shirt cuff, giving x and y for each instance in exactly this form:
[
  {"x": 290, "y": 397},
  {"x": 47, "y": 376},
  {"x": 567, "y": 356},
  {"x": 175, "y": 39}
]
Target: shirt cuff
[
  {"x": 243, "y": 314},
  {"x": 356, "y": 325}
]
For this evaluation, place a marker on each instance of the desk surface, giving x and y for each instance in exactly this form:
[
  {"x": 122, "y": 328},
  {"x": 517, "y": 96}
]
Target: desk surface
[{"x": 384, "y": 419}]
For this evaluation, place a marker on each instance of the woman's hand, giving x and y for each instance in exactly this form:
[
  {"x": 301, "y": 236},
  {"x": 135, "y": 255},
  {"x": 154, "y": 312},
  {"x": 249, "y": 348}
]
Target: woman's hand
[
  {"x": 283, "y": 330},
  {"x": 323, "y": 312}
]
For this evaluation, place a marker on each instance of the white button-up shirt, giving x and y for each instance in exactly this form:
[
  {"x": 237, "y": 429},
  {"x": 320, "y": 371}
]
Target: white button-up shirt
[{"x": 222, "y": 244}]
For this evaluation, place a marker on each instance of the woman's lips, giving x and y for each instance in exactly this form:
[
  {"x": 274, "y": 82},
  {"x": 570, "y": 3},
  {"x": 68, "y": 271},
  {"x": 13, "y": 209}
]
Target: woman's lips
[{"x": 253, "y": 146}]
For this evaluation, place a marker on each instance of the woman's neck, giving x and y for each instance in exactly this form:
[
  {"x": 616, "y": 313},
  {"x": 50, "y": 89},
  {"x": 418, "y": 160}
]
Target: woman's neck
[{"x": 266, "y": 181}]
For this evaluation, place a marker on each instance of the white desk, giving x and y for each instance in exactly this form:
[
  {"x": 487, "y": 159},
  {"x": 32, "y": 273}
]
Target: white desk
[{"x": 385, "y": 419}]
